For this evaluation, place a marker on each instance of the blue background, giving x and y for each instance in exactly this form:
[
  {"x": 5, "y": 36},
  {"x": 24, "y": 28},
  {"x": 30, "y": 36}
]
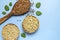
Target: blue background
[{"x": 49, "y": 20}]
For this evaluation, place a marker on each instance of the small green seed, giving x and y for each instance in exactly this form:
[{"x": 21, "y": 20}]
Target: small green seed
[
  {"x": 23, "y": 35},
  {"x": 6, "y": 7},
  {"x": 3, "y": 12},
  {"x": 38, "y": 13},
  {"x": 10, "y": 4},
  {"x": 38, "y": 4}
]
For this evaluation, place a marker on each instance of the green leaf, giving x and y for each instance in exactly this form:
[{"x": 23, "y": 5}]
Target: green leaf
[
  {"x": 10, "y": 4},
  {"x": 6, "y": 7},
  {"x": 23, "y": 35},
  {"x": 38, "y": 13},
  {"x": 38, "y": 4},
  {"x": 3, "y": 12}
]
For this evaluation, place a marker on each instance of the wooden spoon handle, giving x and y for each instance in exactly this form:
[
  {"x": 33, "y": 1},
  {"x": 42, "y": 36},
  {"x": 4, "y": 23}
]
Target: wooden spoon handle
[{"x": 5, "y": 18}]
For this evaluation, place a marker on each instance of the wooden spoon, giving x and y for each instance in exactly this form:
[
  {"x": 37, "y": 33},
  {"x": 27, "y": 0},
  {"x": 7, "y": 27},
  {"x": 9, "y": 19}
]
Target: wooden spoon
[{"x": 20, "y": 7}]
